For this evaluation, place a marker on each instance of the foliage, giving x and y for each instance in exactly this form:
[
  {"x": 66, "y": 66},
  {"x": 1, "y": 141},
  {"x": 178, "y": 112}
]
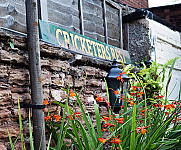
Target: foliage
[
  {"x": 151, "y": 76},
  {"x": 156, "y": 126},
  {"x": 10, "y": 43}
]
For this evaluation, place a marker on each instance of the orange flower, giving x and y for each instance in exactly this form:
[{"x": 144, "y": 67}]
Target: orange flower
[
  {"x": 47, "y": 118},
  {"x": 132, "y": 94},
  {"x": 120, "y": 120},
  {"x": 168, "y": 106},
  {"x": 107, "y": 125},
  {"x": 178, "y": 119},
  {"x": 116, "y": 92},
  {"x": 172, "y": 105},
  {"x": 143, "y": 114},
  {"x": 71, "y": 117},
  {"x": 143, "y": 131},
  {"x": 57, "y": 117},
  {"x": 119, "y": 78},
  {"x": 72, "y": 94},
  {"x": 99, "y": 99},
  {"x": 134, "y": 88},
  {"x": 102, "y": 140},
  {"x": 131, "y": 103},
  {"x": 106, "y": 118},
  {"x": 142, "y": 110},
  {"x": 77, "y": 114},
  {"x": 121, "y": 106},
  {"x": 116, "y": 141},
  {"x": 45, "y": 102},
  {"x": 141, "y": 92},
  {"x": 166, "y": 113}
]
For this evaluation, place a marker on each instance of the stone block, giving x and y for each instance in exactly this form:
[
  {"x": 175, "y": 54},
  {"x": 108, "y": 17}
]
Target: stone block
[
  {"x": 5, "y": 97},
  {"x": 100, "y": 29},
  {"x": 45, "y": 63},
  {"x": 46, "y": 93},
  {"x": 94, "y": 82},
  {"x": 13, "y": 130},
  {"x": 15, "y": 114},
  {"x": 58, "y": 95},
  {"x": 68, "y": 81},
  {"x": 79, "y": 82},
  {"x": 18, "y": 77},
  {"x": 4, "y": 56},
  {"x": 103, "y": 87},
  {"x": 88, "y": 7},
  {"x": 46, "y": 77},
  {"x": 75, "y": 71},
  {"x": 2, "y": 146},
  {"x": 16, "y": 89},
  {"x": 59, "y": 17},
  {"x": 113, "y": 42},
  {"x": 4, "y": 86},
  {"x": 89, "y": 26},
  {"x": 3, "y": 71},
  {"x": 4, "y": 113},
  {"x": 23, "y": 98},
  {"x": 90, "y": 71},
  {"x": 58, "y": 65},
  {"x": 101, "y": 73},
  {"x": 101, "y": 38},
  {"x": 76, "y": 24}
]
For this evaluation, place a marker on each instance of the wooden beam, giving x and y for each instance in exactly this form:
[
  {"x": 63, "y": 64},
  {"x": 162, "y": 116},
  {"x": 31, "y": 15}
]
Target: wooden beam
[
  {"x": 42, "y": 10},
  {"x": 105, "y": 22},
  {"x": 115, "y": 5},
  {"x": 81, "y": 17},
  {"x": 120, "y": 29}
]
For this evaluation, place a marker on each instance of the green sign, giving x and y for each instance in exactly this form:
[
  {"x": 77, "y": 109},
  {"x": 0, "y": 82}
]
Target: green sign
[{"x": 79, "y": 43}]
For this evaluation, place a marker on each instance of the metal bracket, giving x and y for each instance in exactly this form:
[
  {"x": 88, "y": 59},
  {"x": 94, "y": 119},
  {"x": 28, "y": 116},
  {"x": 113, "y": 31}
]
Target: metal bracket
[{"x": 34, "y": 106}]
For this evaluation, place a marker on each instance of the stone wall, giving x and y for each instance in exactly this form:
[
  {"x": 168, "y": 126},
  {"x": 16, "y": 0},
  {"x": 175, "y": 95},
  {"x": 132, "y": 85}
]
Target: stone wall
[
  {"x": 59, "y": 68},
  {"x": 12, "y": 14},
  {"x": 139, "y": 40},
  {"x": 136, "y": 3}
]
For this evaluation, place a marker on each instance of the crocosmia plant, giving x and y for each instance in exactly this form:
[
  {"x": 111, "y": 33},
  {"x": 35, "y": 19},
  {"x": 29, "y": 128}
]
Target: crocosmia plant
[{"x": 148, "y": 120}]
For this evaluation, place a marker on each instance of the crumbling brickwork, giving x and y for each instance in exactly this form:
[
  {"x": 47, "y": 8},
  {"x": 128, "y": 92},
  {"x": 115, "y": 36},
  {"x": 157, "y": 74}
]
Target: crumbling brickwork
[
  {"x": 59, "y": 68},
  {"x": 135, "y": 3}
]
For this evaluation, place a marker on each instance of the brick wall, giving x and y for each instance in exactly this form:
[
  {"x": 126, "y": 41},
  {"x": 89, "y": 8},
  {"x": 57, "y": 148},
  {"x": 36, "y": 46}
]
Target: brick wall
[
  {"x": 135, "y": 3},
  {"x": 171, "y": 14},
  {"x": 58, "y": 70}
]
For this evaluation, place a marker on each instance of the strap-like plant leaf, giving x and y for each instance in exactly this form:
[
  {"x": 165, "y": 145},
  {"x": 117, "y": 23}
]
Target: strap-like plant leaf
[{"x": 133, "y": 128}]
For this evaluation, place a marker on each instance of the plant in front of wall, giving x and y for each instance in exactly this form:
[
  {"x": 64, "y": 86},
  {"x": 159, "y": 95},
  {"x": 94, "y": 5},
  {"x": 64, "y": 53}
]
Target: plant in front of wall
[
  {"x": 137, "y": 126},
  {"x": 10, "y": 43},
  {"x": 152, "y": 76}
]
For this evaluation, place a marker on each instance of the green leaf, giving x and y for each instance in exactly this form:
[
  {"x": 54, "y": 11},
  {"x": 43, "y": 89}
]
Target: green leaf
[
  {"x": 12, "y": 146},
  {"x": 98, "y": 123},
  {"x": 88, "y": 122},
  {"x": 31, "y": 136},
  {"x": 133, "y": 128},
  {"x": 48, "y": 147},
  {"x": 21, "y": 128},
  {"x": 11, "y": 45},
  {"x": 156, "y": 134}
]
